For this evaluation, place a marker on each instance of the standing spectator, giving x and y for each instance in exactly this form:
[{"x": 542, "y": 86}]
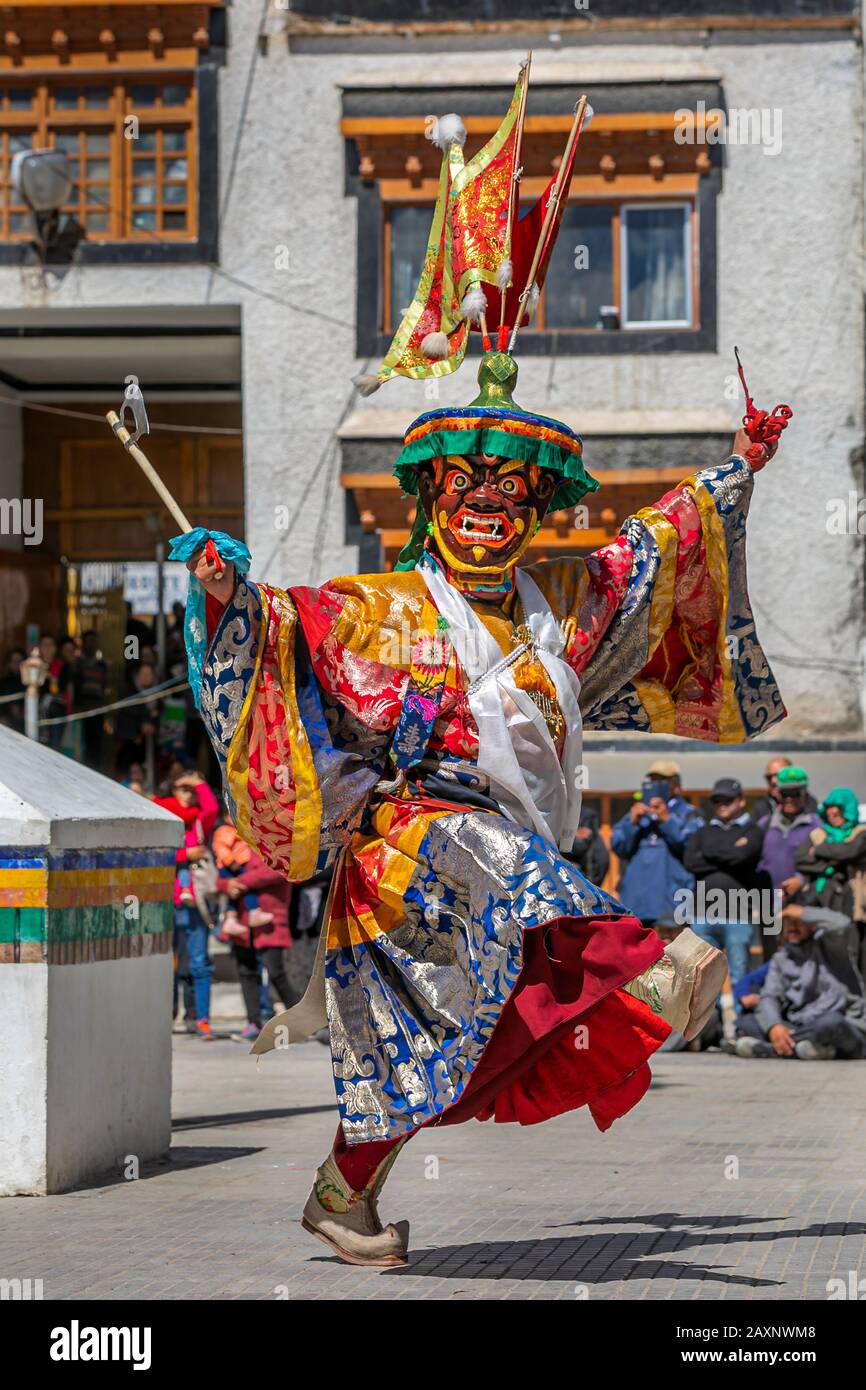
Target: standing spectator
[
  {"x": 812, "y": 1003},
  {"x": 833, "y": 862},
  {"x": 192, "y": 799},
  {"x": 71, "y": 733},
  {"x": 143, "y": 635},
  {"x": 52, "y": 704},
  {"x": 766, "y": 805},
  {"x": 11, "y": 711},
  {"x": 92, "y": 683},
  {"x": 650, "y": 841},
  {"x": 723, "y": 855},
  {"x": 666, "y": 770},
  {"x": 271, "y": 894},
  {"x": 785, "y": 829},
  {"x": 589, "y": 852},
  {"x": 136, "y": 724}
]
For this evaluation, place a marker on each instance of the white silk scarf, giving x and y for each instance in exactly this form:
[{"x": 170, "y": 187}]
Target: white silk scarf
[{"x": 515, "y": 750}]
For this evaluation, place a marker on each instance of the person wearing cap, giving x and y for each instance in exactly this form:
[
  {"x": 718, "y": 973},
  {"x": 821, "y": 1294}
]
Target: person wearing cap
[
  {"x": 785, "y": 830},
  {"x": 766, "y": 805},
  {"x": 650, "y": 840},
  {"x": 723, "y": 855},
  {"x": 666, "y": 770}
]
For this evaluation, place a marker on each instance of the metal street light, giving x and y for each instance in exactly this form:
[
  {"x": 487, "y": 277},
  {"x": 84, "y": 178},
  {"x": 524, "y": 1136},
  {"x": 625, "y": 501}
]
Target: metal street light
[{"x": 43, "y": 180}]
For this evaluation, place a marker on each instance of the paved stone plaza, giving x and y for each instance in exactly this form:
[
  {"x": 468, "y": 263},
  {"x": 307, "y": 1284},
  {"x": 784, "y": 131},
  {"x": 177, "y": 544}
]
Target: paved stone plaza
[{"x": 559, "y": 1211}]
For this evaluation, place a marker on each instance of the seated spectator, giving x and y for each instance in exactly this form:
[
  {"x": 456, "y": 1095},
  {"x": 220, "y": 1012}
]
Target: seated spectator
[
  {"x": 589, "y": 852},
  {"x": 785, "y": 829},
  {"x": 812, "y": 1003},
  {"x": 650, "y": 840},
  {"x": 766, "y": 805},
  {"x": 747, "y": 990},
  {"x": 723, "y": 855}
]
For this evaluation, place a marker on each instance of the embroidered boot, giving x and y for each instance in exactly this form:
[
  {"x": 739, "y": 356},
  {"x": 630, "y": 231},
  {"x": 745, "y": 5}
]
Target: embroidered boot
[
  {"x": 683, "y": 984},
  {"x": 349, "y": 1222}
]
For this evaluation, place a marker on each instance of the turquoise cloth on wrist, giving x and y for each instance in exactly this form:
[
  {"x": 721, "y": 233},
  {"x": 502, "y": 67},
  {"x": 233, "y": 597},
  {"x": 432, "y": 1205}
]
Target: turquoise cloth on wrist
[
  {"x": 195, "y": 622},
  {"x": 184, "y": 547}
]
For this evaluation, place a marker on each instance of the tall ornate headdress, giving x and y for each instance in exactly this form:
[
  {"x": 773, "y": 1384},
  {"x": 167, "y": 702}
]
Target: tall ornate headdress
[{"x": 484, "y": 265}]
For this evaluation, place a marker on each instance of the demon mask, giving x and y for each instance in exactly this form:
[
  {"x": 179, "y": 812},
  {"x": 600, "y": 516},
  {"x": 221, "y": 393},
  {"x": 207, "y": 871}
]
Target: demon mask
[{"x": 483, "y": 509}]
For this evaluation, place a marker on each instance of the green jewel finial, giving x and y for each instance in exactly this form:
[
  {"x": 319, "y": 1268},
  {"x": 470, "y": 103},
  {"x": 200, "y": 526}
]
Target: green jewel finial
[
  {"x": 497, "y": 377},
  {"x": 429, "y": 528}
]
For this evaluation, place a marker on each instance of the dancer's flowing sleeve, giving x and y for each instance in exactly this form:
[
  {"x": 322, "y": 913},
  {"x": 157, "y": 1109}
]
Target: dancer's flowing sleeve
[
  {"x": 300, "y": 747},
  {"x": 658, "y": 623}
]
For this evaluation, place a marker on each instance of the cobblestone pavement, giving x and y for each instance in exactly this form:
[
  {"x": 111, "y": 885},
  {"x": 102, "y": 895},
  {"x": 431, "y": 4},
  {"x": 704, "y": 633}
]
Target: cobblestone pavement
[{"x": 731, "y": 1180}]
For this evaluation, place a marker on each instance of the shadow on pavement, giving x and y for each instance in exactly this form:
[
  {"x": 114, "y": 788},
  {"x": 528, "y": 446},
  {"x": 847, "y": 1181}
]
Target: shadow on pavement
[
  {"x": 180, "y": 1157},
  {"x": 245, "y": 1117},
  {"x": 590, "y": 1259}
]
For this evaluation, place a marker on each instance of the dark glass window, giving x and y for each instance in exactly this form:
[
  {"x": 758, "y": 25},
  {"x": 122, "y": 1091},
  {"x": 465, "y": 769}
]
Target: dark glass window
[
  {"x": 409, "y": 228},
  {"x": 580, "y": 275}
]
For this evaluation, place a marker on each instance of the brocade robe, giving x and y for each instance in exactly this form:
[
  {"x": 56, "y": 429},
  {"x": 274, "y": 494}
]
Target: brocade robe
[{"x": 433, "y": 896}]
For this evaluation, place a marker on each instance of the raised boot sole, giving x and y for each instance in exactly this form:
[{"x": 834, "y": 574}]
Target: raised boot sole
[
  {"x": 709, "y": 977},
  {"x": 348, "y": 1256}
]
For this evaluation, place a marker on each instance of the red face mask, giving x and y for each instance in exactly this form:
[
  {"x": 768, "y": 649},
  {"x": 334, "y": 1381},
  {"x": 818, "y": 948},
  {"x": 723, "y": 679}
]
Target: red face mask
[{"x": 484, "y": 509}]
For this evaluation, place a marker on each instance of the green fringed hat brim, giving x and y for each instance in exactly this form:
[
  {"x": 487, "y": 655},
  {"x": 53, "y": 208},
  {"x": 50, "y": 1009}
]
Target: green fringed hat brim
[{"x": 576, "y": 482}]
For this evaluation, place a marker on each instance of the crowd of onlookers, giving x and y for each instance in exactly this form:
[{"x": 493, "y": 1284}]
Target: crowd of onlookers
[
  {"x": 780, "y": 887},
  {"x": 115, "y": 725}
]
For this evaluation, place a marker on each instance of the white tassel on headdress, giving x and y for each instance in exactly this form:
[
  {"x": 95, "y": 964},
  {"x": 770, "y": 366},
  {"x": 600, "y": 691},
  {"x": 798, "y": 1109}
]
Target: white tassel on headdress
[
  {"x": 446, "y": 130},
  {"x": 366, "y": 384},
  {"x": 435, "y": 345},
  {"x": 473, "y": 304},
  {"x": 504, "y": 272}
]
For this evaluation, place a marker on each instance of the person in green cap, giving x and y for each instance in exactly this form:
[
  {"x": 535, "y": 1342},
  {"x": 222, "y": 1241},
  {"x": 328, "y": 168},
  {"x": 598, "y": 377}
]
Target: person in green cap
[{"x": 787, "y": 827}]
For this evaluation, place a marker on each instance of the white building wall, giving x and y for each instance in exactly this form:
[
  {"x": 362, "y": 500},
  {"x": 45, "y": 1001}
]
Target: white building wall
[{"x": 790, "y": 284}]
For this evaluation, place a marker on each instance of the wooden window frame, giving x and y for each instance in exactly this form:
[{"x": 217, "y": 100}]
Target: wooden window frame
[
  {"x": 44, "y": 121},
  {"x": 618, "y": 203}
]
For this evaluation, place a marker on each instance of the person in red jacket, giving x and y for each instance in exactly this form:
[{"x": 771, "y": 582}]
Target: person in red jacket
[
  {"x": 193, "y": 801},
  {"x": 266, "y": 944}
]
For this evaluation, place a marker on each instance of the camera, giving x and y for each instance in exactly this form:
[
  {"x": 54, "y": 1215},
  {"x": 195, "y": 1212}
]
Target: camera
[{"x": 653, "y": 787}]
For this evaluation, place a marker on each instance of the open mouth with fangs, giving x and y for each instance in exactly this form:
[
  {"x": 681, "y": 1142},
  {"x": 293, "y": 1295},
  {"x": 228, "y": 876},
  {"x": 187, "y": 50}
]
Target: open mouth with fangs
[{"x": 493, "y": 530}]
